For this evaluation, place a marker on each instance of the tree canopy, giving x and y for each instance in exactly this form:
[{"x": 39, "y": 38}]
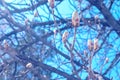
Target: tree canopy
[{"x": 59, "y": 40}]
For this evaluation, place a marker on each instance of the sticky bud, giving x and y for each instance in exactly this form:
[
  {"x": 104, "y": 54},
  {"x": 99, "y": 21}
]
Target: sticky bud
[
  {"x": 106, "y": 60},
  {"x": 90, "y": 44},
  {"x": 55, "y": 33},
  {"x": 6, "y": 45},
  {"x": 64, "y": 36},
  {"x": 29, "y": 65},
  {"x": 96, "y": 44},
  {"x": 36, "y": 14},
  {"x": 96, "y": 16},
  {"x": 75, "y": 19},
  {"x": 51, "y": 3}
]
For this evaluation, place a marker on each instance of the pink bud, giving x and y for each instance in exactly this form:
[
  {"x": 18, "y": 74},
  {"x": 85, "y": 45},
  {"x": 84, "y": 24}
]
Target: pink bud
[
  {"x": 96, "y": 44},
  {"x": 64, "y": 36},
  {"x": 55, "y": 33},
  {"x": 5, "y": 43},
  {"x": 36, "y": 14},
  {"x": 90, "y": 44},
  {"x": 96, "y": 16},
  {"x": 51, "y": 3},
  {"x": 107, "y": 60},
  {"x": 29, "y": 65},
  {"x": 75, "y": 19}
]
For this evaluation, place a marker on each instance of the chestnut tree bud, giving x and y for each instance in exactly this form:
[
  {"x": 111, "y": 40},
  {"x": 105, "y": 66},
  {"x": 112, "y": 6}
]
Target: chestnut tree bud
[
  {"x": 90, "y": 44},
  {"x": 96, "y": 44},
  {"x": 75, "y": 19},
  {"x": 36, "y": 14},
  {"x": 5, "y": 44},
  {"x": 64, "y": 36},
  {"x": 51, "y": 3},
  {"x": 107, "y": 60},
  {"x": 29, "y": 65}
]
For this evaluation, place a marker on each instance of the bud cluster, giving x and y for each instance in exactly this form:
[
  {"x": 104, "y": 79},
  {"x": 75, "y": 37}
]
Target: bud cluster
[{"x": 93, "y": 45}]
